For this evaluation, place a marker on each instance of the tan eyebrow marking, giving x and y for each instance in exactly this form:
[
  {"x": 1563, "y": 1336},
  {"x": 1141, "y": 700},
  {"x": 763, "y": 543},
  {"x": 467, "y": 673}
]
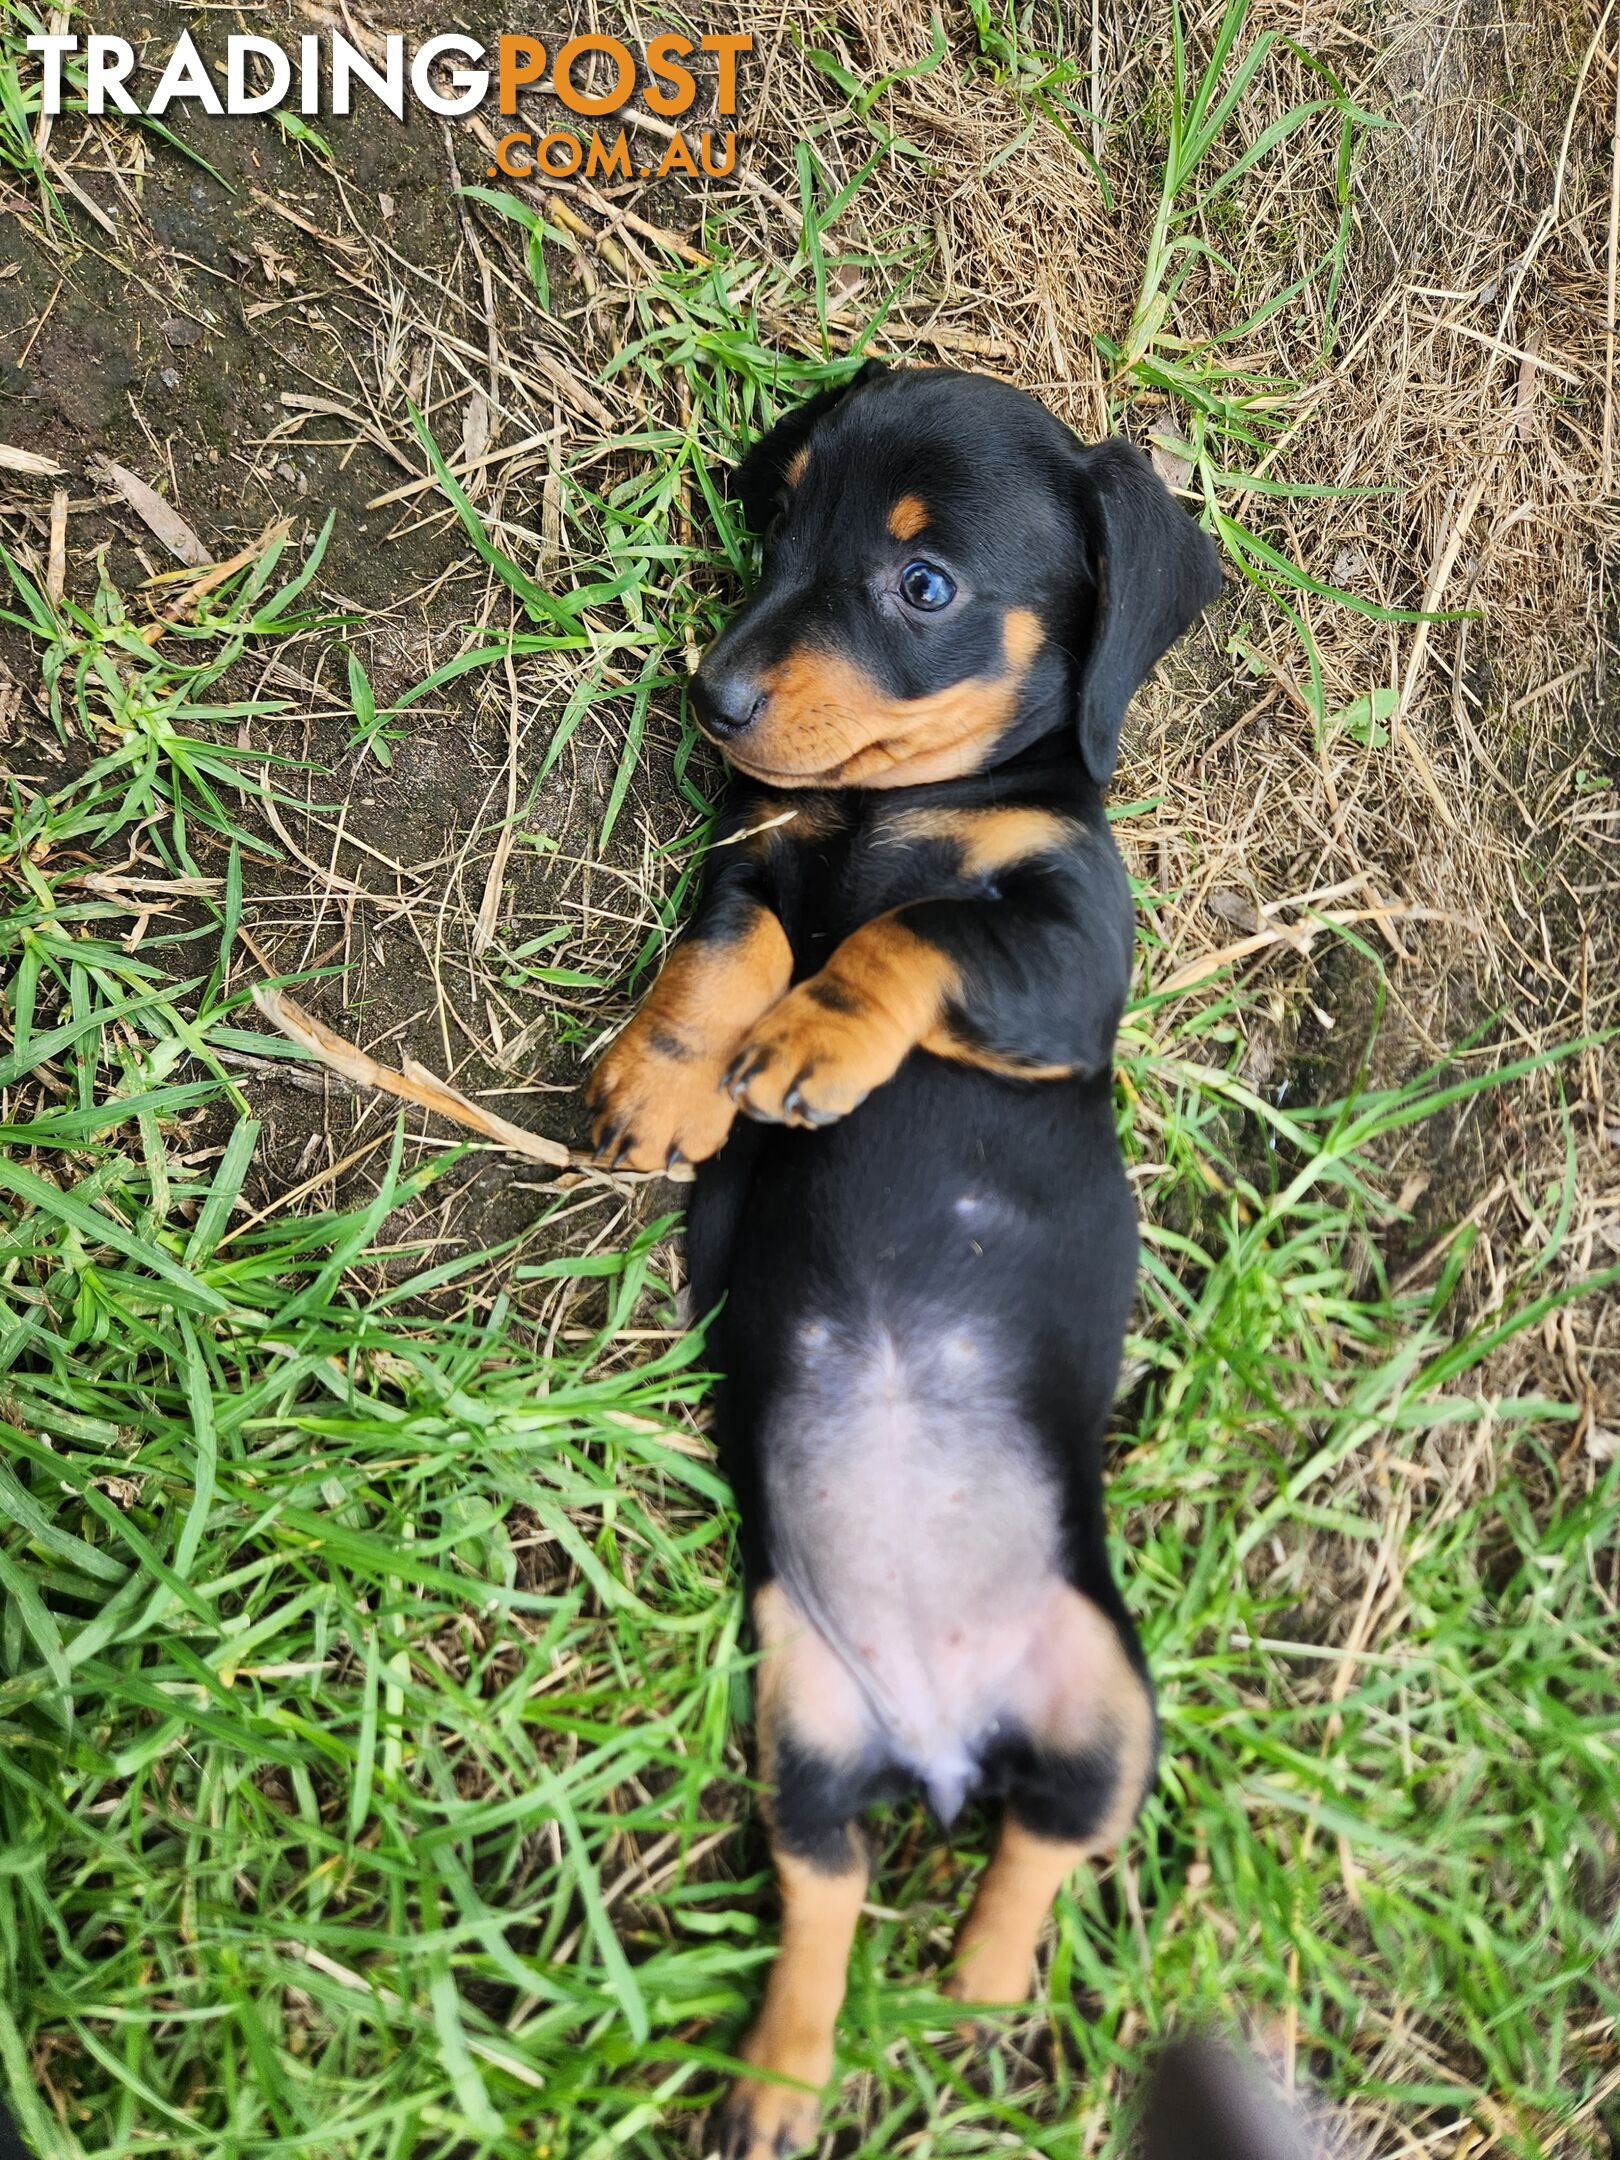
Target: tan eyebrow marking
[{"x": 908, "y": 517}]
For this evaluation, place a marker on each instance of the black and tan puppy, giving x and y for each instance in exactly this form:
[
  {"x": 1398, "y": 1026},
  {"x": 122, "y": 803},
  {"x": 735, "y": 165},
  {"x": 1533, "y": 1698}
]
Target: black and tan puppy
[{"x": 905, "y": 973}]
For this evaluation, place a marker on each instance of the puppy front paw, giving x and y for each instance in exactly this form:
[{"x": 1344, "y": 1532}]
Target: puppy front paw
[
  {"x": 655, "y": 1102},
  {"x": 813, "y": 1058}
]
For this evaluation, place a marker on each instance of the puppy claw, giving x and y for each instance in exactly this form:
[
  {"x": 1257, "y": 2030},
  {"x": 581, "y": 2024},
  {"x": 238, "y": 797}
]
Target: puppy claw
[
  {"x": 813, "y": 1116},
  {"x": 655, "y": 1113},
  {"x": 812, "y": 1060},
  {"x": 739, "y": 1072},
  {"x": 763, "y": 2123},
  {"x": 737, "y": 2142}
]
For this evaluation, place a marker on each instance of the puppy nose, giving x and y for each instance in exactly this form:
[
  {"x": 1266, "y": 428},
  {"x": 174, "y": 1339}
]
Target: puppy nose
[{"x": 727, "y": 700}]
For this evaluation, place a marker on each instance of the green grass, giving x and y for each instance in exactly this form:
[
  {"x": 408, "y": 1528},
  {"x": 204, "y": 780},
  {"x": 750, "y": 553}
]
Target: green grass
[
  {"x": 371, "y": 1679},
  {"x": 369, "y": 1674}
]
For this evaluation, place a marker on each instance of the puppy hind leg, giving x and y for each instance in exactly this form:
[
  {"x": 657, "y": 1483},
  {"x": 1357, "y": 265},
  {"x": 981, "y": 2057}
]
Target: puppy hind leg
[
  {"x": 995, "y": 1951},
  {"x": 1089, "y": 1740},
  {"x": 792, "y": 2037},
  {"x": 813, "y": 1734}
]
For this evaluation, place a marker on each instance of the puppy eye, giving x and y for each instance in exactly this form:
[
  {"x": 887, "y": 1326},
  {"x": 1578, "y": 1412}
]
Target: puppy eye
[{"x": 924, "y": 585}]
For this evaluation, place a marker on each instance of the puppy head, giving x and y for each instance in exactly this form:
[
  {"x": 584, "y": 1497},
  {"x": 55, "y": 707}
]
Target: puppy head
[{"x": 948, "y": 576}]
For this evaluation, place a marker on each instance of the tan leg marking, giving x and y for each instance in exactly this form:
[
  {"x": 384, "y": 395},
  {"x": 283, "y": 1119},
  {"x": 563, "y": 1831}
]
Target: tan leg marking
[
  {"x": 656, "y": 1096},
  {"x": 801, "y": 1684},
  {"x": 793, "y": 2035},
  {"x": 1079, "y": 1690},
  {"x": 885, "y": 991},
  {"x": 829, "y": 1042},
  {"x": 995, "y": 1951}
]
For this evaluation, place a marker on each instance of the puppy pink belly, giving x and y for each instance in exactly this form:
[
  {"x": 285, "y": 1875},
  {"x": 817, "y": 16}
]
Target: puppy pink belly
[{"x": 915, "y": 1525}]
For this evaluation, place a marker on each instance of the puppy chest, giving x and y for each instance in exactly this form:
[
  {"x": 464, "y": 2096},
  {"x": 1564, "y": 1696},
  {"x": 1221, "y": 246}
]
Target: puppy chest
[{"x": 876, "y": 860}]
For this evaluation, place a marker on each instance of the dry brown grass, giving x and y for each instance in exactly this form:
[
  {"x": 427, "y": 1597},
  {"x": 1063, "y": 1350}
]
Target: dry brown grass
[{"x": 1472, "y": 379}]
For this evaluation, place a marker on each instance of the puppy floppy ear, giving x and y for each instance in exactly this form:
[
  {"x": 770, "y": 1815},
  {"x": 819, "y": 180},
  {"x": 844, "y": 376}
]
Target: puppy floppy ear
[
  {"x": 1155, "y": 573},
  {"x": 759, "y": 482}
]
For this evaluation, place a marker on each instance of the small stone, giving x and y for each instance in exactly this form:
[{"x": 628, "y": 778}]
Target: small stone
[{"x": 1234, "y": 908}]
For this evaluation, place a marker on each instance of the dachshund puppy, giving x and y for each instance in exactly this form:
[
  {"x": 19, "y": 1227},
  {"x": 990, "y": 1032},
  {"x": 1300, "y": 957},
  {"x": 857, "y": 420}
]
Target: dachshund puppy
[{"x": 885, "y": 1040}]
